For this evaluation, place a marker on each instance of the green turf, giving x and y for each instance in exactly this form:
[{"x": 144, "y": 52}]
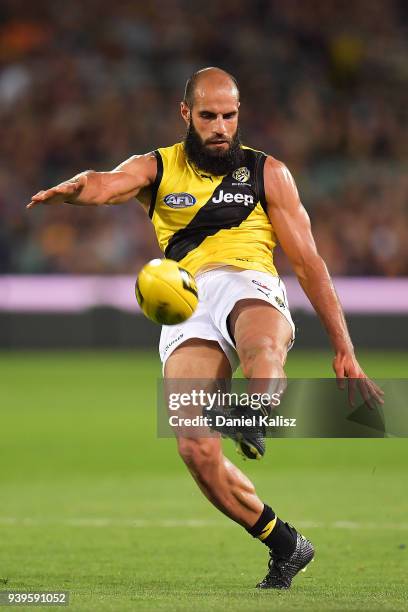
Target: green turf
[{"x": 92, "y": 502}]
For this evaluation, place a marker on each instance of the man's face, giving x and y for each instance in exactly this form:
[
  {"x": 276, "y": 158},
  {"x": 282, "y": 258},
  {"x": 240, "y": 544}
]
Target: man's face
[
  {"x": 212, "y": 140},
  {"x": 215, "y": 118}
]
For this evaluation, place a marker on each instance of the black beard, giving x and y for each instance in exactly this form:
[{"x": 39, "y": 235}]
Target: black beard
[{"x": 213, "y": 162}]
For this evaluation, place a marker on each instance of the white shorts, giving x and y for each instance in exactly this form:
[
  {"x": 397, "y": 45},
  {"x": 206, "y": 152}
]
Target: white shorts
[{"x": 219, "y": 290}]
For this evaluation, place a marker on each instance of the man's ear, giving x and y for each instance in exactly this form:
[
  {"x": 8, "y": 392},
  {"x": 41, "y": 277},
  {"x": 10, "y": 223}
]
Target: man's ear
[{"x": 185, "y": 112}]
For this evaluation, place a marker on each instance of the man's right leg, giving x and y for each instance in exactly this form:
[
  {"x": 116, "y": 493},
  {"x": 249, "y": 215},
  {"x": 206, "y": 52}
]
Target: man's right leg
[
  {"x": 224, "y": 485},
  {"x": 221, "y": 482}
]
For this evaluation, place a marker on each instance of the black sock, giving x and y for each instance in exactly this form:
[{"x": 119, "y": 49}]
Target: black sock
[{"x": 274, "y": 533}]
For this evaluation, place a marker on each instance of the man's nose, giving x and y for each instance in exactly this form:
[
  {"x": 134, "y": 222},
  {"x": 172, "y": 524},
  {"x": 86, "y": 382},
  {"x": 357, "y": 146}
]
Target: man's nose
[{"x": 219, "y": 125}]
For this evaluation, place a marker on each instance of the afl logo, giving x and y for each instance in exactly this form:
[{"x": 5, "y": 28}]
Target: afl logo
[
  {"x": 179, "y": 200},
  {"x": 241, "y": 174}
]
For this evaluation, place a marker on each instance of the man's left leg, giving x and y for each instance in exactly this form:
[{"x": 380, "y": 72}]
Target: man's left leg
[{"x": 262, "y": 336}]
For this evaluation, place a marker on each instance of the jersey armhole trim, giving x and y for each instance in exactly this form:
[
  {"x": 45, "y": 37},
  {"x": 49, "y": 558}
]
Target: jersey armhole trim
[
  {"x": 157, "y": 181},
  {"x": 259, "y": 178}
]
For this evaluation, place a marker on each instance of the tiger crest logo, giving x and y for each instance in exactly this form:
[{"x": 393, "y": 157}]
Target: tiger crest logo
[{"x": 241, "y": 174}]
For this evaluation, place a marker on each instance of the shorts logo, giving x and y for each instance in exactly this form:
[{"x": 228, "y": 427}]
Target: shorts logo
[
  {"x": 179, "y": 200},
  {"x": 264, "y": 292},
  {"x": 241, "y": 174},
  {"x": 279, "y": 302},
  {"x": 170, "y": 344},
  {"x": 261, "y": 285}
]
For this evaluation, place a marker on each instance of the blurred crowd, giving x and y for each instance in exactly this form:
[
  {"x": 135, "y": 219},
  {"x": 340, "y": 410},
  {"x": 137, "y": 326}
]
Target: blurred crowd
[{"x": 324, "y": 87}]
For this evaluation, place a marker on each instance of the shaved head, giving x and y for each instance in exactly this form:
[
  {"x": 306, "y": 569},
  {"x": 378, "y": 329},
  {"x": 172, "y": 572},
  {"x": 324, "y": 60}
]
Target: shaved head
[
  {"x": 210, "y": 110},
  {"x": 209, "y": 78}
]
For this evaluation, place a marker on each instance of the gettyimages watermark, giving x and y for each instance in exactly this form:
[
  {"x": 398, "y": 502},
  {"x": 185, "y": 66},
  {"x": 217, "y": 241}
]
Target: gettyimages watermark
[
  {"x": 281, "y": 408},
  {"x": 224, "y": 409},
  {"x": 209, "y": 400}
]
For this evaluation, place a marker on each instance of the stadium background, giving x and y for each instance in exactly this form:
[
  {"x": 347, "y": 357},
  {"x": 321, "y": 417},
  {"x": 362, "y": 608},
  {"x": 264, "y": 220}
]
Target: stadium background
[{"x": 92, "y": 501}]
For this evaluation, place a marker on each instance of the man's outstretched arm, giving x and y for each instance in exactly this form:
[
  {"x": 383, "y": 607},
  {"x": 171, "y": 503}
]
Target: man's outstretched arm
[
  {"x": 291, "y": 223},
  {"x": 92, "y": 188}
]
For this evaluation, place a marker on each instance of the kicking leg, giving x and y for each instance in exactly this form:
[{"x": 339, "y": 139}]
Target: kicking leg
[{"x": 262, "y": 336}]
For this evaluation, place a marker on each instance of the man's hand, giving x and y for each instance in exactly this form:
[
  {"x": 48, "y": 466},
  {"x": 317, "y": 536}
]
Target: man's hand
[
  {"x": 67, "y": 191},
  {"x": 345, "y": 366},
  {"x": 92, "y": 188},
  {"x": 291, "y": 224}
]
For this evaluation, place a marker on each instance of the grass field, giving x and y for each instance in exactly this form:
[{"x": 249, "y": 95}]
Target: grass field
[{"x": 93, "y": 503}]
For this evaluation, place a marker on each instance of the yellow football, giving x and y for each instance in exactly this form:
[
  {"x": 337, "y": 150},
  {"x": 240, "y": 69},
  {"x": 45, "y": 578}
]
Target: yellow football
[{"x": 166, "y": 292}]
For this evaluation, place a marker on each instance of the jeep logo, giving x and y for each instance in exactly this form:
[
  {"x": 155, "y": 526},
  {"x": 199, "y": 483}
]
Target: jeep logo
[
  {"x": 239, "y": 198},
  {"x": 179, "y": 200}
]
